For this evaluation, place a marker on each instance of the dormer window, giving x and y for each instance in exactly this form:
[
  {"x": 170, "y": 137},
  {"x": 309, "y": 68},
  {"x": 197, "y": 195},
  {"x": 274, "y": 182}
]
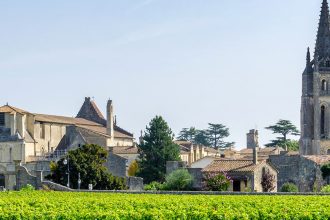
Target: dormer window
[
  {"x": 2, "y": 119},
  {"x": 324, "y": 85}
]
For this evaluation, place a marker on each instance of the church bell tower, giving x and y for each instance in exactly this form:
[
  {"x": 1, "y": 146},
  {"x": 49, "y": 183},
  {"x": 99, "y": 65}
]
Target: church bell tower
[{"x": 315, "y": 100}]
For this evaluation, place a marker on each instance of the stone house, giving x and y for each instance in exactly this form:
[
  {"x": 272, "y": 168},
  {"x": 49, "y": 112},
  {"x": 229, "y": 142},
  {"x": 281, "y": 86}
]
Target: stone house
[
  {"x": 246, "y": 175},
  {"x": 190, "y": 152},
  {"x": 31, "y": 138}
]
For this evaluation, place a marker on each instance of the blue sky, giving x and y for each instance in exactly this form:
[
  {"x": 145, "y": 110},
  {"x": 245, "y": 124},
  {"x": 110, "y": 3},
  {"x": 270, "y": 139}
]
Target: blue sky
[{"x": 238, "y": 63}]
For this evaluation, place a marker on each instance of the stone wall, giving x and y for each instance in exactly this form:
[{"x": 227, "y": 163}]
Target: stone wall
[
  {"x": 174, "y": 165},
  {"x": 197, "y": 175},
  {"x": 117, "y": 165},
  {"x": 297, "y": 169},
  {"x": 135, "y": 183}
]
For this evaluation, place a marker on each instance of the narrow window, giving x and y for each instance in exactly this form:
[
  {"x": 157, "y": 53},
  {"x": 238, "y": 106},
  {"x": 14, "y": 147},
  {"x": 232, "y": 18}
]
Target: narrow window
[
  {"x": 10, "y": 154},
  {"x": 2, "y": 119},
  {"x": 322, "y": 121},
  {"x": 42, "y": 130},
  {"x": 324, "y": 85}
]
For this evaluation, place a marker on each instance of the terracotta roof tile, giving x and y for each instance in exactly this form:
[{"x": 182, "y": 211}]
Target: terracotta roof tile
[
  {"x": 232, "y": 166},
  {"x": 319, "y": 159}
]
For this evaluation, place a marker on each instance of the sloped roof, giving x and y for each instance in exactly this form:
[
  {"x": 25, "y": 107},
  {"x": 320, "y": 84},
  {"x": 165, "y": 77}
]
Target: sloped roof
[
  {"x": 103, "y": 131},
  {"x": 125, "y": 150},
  {"x": 265, "y": 150},
  {"x": 64, "y": 120},
  {"x": 11, "y": 109},
  {"x": 91, "y": 112},
  {"x": 319, "y": 159},
  {"x": 232, "y": 166}
]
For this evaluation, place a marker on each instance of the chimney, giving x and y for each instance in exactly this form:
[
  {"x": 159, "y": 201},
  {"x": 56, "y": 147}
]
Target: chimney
[
  {"x": 110, "y": 118},
  {"x": 252, "y": 139},
  {"x": 255, "y": 155}
]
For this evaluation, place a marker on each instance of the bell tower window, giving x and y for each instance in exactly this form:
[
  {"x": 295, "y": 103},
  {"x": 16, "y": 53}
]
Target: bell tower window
[
  {"x": 322, "y": 122},
  {"x": 324, "y": 85},
  {"x": 2, "y": 119}
]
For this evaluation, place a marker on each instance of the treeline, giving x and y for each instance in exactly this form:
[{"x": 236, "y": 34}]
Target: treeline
[{"x": 213, "y": 136}]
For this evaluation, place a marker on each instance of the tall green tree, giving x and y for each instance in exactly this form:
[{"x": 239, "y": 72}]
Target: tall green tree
[
  {"x": 216, "y": 134},
  {"x": 202, "y": 138},
  {"x": 156, "y": 148},
  {"x": 284, "y": 128},
  {"x": 187, "y": 134},
  {"x": 89, "y": 161}
]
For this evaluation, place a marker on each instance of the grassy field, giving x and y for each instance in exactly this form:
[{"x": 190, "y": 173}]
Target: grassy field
[{"x": 57, "y": 205}]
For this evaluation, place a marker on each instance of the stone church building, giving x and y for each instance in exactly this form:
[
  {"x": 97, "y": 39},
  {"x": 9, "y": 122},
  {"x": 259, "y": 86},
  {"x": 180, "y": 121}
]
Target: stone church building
[
  {"x": 29, "y": 138},
  {"x": 315, "y": 100}
]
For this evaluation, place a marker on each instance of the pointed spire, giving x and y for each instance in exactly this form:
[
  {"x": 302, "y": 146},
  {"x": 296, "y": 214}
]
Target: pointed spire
[
  {"x": 308, "y": 58},
  {"x": 323, "y": 33}
]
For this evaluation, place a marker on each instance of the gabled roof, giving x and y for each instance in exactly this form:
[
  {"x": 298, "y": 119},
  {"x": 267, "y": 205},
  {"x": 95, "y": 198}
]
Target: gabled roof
[
  {"x": 64, "y": 120},
  {"x": 101, "y": 130},
  {"x": 91, "y": 112},
  {"x": 233, "y": 166},
  {"x": 11, "y": 109}
]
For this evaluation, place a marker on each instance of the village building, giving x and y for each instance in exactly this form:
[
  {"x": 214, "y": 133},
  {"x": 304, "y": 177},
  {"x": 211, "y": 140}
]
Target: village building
[
  {"x": 246, "y": 175},
  {"x": 34, "y": 139},
  {"x": 191, "y": 153}
]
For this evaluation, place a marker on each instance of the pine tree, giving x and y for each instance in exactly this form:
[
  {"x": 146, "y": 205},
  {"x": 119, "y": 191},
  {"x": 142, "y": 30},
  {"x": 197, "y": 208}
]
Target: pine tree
[{"x": 156, "y": 148}]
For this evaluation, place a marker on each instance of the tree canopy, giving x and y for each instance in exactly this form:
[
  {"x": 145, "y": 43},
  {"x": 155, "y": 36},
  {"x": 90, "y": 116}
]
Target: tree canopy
[
  {"x": 213, "y": 136},
  {"x": 284, "y": 128},
  {"x": 156, "y": 148},
  {"x": 88, "y": 161}
]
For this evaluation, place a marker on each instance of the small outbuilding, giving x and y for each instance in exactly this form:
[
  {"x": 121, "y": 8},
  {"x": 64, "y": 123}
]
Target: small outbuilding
[{"x": 245, "y": 174}]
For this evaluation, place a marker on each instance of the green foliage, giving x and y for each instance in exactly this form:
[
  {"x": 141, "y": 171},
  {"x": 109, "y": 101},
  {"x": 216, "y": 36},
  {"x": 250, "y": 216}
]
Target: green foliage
[
  {"x": 87, "y": 160},
  {"x": 72, "y": 205},
  {"x": 179, "y": 180},
  {"x": 133, "y": 168},
  {"x": 325, "y": 170},
  {"x": 216, "y": 134},
  {"x": 27, "y": 188},
  {"x": 154, "y": 186},
  {"x": 326, "y": 189},
  {"x": 284, "y": 128},
  {"x": 216, "y": 182},
  {"x": 212, "y": 137},
  {"x": 289, "y": 187},
  {"x": 156, "y": 148}
]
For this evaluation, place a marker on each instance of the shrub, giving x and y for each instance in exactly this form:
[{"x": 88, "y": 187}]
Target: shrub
[
  {"x": 179, "y": 180},
  {"x": 325, "y": 170},
  {"x": 216, "y": 181},
  {"x": 133, "y": 168},
  {"x": 289, "y": 187},
  {"x": 27, "y": 187},
  {"x": 326, "y": 189},
  {"x": 154, "y": 186},
  {"x": 268, "y": 181}
]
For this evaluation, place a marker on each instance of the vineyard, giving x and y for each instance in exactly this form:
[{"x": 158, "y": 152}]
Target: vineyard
[{"x": 57, "y": 205}]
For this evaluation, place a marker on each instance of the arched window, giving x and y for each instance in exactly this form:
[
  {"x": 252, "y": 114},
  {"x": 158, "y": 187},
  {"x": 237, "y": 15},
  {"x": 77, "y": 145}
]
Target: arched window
[
  {"x": 322, "y": 122},
  {"x": 324, "y": 85}
]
